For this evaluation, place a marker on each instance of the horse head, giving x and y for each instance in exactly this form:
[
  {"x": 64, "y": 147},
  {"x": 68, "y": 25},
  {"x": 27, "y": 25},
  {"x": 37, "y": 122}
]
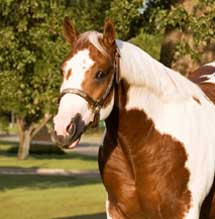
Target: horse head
[{"x": 87, "y": 90}]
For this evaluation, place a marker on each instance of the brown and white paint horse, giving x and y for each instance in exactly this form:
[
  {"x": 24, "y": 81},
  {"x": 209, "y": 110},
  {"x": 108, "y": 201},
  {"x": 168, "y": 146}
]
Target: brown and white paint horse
[{"x": 158, "y": 154}]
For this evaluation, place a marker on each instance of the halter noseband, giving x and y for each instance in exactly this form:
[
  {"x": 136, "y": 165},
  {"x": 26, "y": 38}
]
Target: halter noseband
[{"x": 96, "y": 105}]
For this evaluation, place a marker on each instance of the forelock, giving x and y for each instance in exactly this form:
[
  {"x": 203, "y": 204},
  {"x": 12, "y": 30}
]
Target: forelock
[{"x": 93, "y": 37}]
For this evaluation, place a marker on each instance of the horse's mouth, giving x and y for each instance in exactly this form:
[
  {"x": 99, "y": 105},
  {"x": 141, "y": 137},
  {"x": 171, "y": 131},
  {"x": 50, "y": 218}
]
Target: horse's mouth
[
  {"x": 74, "y": 144},
  {"x": 72, "y": 140}
]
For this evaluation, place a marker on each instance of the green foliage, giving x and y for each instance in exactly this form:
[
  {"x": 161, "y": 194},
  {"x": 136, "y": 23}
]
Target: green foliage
[
  {"x": 126, "y": 15},
  {"x": 4, "y": 122},
  {"x": 149, "y": 43},
  {"x": 32, "y": 47},
  {"x": 199, "y": 23},
  {"x": 161, "y": 15},
  {"x": 30, "y": 53},
  {"x": 87, "y": 14}
]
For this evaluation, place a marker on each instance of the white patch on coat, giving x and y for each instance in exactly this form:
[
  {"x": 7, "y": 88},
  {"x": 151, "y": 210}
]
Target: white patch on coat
[
  {"x": 107, "y": 209},
  {"x": 168, "y": 99},
  {"x": 210, "y": 78},
  {"x": 212, "y": 64},
  {"x": 79, "y": 64},
  {"x": 70, "y": 105},
  {"x": 105, "y": 111}
]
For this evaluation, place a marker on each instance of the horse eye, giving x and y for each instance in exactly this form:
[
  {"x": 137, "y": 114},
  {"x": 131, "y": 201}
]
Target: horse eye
[{"x": 100, "y": 75}]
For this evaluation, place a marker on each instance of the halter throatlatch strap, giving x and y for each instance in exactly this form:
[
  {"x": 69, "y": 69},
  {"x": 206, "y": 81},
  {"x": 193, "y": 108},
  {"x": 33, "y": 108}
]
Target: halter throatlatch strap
[
  {"x": 96, "y": 105},
  {"x": 117, "y": 65}
]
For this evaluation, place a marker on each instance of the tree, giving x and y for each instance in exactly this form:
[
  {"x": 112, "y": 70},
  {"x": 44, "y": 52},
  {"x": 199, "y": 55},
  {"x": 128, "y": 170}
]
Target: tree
[
  {"x": 149, "y": 43},
  {"x": 90, "y": 15},
  {"x": 30, "y": 50},
  {"x": 126, "y": 15},
  {"x": 188, "y": 27},
  {"x": 87, "y": 14}
]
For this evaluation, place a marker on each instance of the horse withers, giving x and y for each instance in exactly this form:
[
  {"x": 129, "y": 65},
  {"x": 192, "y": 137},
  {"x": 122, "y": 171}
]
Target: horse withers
[{"x": 158, "y": 154}]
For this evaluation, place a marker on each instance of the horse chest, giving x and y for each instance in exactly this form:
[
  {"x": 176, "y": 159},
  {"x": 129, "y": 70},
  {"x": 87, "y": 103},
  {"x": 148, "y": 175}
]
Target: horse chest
[
  {"x": 147, "y": 186},
  {"x": 119, "y": 182}
]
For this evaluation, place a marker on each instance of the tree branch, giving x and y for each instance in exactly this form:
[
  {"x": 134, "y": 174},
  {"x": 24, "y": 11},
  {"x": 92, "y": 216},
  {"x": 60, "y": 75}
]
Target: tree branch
[{"x": 37, "y": 127}]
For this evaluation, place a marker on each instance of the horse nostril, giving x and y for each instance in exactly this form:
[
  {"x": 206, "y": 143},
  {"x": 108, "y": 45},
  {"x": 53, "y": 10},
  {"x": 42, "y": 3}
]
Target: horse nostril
[{"x": 71, "y": 129}]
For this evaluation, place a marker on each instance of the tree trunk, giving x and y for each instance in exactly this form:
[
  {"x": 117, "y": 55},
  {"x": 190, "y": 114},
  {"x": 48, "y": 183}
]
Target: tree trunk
[
  {"x": 26, "y": 132},
  {"x": 24, "y": 145},
  {"x": 168, "y": 54}
]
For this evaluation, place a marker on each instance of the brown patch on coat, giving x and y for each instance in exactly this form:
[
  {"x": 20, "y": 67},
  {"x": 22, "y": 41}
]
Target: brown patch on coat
[
  {"x": 143, "y": 171},
  {"x": 209, "y": 90},
  {"x": 212, "y": 212},
  {"x": 68, "y": 74}
]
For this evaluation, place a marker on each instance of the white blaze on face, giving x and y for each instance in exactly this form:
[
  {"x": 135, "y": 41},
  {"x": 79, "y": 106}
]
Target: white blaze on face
[
  {"x": 72, "y": 104},
  {"x": 79, "y": 64}
]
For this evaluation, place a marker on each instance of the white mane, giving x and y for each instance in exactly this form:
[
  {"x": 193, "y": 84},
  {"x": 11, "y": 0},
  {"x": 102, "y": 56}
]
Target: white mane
[{"x": 140, "y": 69}]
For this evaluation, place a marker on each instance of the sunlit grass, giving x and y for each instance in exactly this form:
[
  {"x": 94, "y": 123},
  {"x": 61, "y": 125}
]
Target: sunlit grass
[
  {"x": 49, "y": 197},
  {"x": 71, "y": 160}
]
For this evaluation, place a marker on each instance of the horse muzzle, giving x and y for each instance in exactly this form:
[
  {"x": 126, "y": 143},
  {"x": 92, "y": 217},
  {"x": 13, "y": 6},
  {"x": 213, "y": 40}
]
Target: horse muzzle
[{"x": 72, "y": 135}]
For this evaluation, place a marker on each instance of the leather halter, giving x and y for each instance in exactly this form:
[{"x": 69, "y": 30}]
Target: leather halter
[{"x": 96, "y": 105}]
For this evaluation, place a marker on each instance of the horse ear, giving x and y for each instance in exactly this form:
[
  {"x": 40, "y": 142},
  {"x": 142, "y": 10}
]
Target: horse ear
[
  {"x": 109, "y": 33},
  {"x": 69, "y": 31}
]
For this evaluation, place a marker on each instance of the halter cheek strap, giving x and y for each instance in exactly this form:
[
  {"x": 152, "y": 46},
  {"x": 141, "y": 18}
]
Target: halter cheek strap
[{"x": 96, "y": 105}]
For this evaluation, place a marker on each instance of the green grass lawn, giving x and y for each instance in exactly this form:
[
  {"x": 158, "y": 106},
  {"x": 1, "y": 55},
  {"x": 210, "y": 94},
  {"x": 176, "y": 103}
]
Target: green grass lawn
[
  {"x": 71, "y": 160},
  {"x": 51, "y": 197}
]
